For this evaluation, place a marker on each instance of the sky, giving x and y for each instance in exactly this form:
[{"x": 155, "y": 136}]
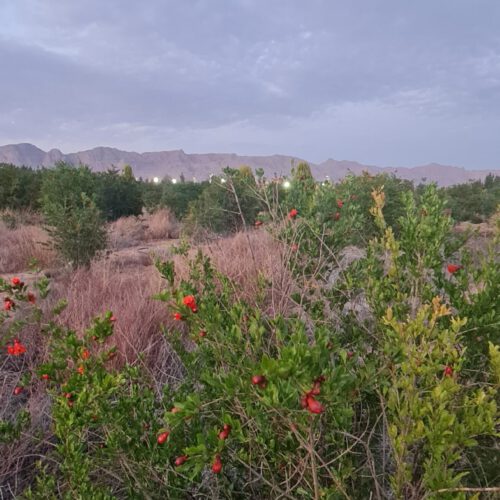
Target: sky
[{"x": 383, "y": 82}]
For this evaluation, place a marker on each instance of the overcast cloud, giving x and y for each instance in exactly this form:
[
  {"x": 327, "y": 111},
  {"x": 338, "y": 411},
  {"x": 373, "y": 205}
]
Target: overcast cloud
[{"x": 387, "y": 82}]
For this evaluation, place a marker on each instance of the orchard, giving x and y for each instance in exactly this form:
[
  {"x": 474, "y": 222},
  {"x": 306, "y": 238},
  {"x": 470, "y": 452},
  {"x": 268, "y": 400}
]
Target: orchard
[{"x": 380, "y": 380}]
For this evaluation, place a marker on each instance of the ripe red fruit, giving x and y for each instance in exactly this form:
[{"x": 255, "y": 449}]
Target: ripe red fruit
[
  {"x": 18, "y": 390},
  {"x": 162, "y": 437},
  {"x": 314, "y": 406},
  {"x": 303, "y": 402},
  {"x": 293, "y": 213},
  {"x": 8, "y": 304},
  {"x": 259, "y": 380},
  {"x": 336, "y": 216},
  {"x": 80, "y": 370},
  {"x": 45, "y": 376},
  {"x": 340, "y": 203},
  {"x": 258, "y": 223},
  {"x": 453, "y": 268},
  {"x": 68, "y": 395},
  {"x": 294, "y": 247},
  {"x": 175, "y": 409},
  {"x": 177, "y": 316},
  {"x": 202, "y": 333},
  {"x": 217, "y": 465},
  {"x": 448, "y": 371},
  {"x": 190, "y": 302},
  {"x": 112, "y": 319},
  {"x": 223, "y": 435},
  {"x": 225, "y": 432},
  {"x": 85, "y": 354},
  {"x": 16, "y": 349},
  {"x": 31, "y": 298},
  {"x": 15, "y": 281},
  {"x": 180, "y": 460}
]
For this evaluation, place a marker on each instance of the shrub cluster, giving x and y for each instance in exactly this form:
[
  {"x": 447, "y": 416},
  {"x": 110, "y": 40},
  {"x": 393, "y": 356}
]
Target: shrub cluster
[{"x": 381, "y": 381}]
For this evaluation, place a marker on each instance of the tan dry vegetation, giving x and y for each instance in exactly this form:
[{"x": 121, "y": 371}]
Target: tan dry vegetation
[
  {"x": 256, "y": 262},
  {"x": 128, "y": 293},
  {"x": 126, "y": 286},
  {"x": 27, "y": 240},
  {"x": 161, "y": 225},
  {"x": 126, "y": 232},
  {"x": 131, "y": 231},
  {"x": 20, "y": 245}
]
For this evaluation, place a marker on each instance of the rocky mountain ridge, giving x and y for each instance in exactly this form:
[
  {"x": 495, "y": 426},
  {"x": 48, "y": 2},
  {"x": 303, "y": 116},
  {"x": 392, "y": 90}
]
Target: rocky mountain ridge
[{"x": 200, "y": 166}]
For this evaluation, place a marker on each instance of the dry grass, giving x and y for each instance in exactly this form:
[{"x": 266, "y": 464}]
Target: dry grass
[
  {"x": 126, "y": 288},
  {"x": 132, "y": 231},
  {"x": 16, "y": 218},
  {"x": 23, "y": 238},
  {"x": 248, "y": 259},
  {"x": 126, "y": 232},
  {"x": 128, "y": 293},
  {"x": 161, "y": 225},
  {"x": 22, "y": 244}
]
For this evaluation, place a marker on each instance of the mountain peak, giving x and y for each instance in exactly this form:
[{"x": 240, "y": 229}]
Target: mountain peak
[{"x": 175, "y": 162}]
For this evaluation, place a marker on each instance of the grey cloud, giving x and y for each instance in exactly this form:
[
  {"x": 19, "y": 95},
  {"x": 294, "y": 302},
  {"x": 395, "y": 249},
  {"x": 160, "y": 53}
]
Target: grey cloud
[{"x": 93, "y": 72}]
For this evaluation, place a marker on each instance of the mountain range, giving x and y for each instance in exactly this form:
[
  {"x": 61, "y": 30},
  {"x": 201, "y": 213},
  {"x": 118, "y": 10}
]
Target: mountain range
[{"x": 200, "y": 166}]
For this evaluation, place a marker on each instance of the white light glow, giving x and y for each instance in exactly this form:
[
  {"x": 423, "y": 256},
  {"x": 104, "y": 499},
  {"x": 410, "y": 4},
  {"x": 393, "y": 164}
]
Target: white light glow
[
  {"x": 286, "y": 184},
  {"x": 156, "y": 180},
  {"x": 174, "y": 181}
]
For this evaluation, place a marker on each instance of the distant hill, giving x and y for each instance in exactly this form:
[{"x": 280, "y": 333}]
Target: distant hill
[{"x": 200, "y": 166}]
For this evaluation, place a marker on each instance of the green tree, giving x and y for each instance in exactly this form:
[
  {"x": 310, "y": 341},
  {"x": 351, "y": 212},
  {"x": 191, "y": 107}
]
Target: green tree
[
  {"x": 229, "y": 203},
  {"x": 19, "y": 187},
  {"x": 475, "y": 201},
  {"x": 178, "y": 197},
  {"x": 151, "y": 194},
  {"x": 118, "y": 195},
  {"x": 75, "y": 223},
  {"x": 64, "y": 184},
  {"x": 128, "y": 173},
  {"x": 303, "y": 187}
]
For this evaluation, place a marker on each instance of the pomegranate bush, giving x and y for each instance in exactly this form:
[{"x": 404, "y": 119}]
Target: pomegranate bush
[
  {"x": 260, "y": 396},
  {"x": 382, "y": 383}
]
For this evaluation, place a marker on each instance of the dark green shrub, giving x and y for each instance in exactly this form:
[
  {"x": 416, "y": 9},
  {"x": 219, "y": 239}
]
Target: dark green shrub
[{"x": 74, "y": 222}]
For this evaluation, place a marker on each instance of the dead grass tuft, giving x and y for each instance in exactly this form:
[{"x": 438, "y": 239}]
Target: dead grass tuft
[
  {"x": 22, "y": 244},
  {"x": 126, "y": 232},
  {"x": 161, "y": 225},
  {"x": 128, "y": 293},
  {"x": 256, "y": 262}
]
